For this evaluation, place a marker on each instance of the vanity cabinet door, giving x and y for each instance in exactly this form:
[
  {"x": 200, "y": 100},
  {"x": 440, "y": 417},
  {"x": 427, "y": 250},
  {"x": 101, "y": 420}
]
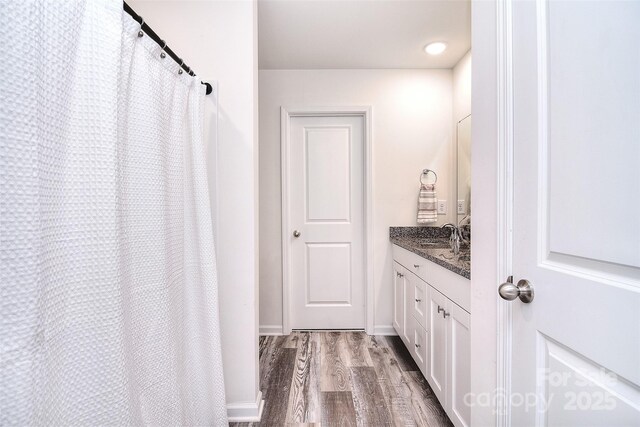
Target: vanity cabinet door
[
  {"x": 420, "y": 350},
  {"x": 459, "y": 379},
  {"x": 438, "y": 344},
  {"x": 410, "y": 281},
  {"x": 418, "y": 301},
  {"x": 399, "y": 299}
]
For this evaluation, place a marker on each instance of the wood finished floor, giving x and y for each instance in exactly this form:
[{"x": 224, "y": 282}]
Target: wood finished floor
[{"x": 343, "y": 379}]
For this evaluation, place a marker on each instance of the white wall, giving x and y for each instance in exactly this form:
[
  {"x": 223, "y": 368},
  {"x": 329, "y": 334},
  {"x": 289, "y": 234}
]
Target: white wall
[
  {"x": 218, "y": 39},
  {"x": 412, "y": 111},
  {"x": 462, "y": 88}
]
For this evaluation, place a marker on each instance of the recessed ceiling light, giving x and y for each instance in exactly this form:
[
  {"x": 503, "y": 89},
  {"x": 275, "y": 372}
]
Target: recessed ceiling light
[{"x": 435, "y": 48}]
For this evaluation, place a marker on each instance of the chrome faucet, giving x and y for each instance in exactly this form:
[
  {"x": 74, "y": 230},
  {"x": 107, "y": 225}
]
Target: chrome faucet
[{"x": 455, "y": 238}]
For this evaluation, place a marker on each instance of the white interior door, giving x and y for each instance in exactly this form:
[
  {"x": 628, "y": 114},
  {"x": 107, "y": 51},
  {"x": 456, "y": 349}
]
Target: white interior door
[
  {"x": 576, "y": 226},
  {"x": 327, "y": 222}
]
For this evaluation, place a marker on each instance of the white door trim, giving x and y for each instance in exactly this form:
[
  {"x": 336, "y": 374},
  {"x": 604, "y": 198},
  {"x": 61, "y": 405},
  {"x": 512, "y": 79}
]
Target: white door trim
[
  {"x": 505, "y": 206},
  {"x": 286, "y": 113}
]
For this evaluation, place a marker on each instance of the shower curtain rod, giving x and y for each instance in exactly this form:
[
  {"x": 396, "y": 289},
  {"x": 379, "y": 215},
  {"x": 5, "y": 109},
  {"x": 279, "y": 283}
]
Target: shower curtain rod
[{"x": 148, "y": 31}]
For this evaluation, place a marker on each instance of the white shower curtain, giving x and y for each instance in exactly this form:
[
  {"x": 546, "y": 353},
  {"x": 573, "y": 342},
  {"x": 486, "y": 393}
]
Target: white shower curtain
[{"x": 107, "y": 267}]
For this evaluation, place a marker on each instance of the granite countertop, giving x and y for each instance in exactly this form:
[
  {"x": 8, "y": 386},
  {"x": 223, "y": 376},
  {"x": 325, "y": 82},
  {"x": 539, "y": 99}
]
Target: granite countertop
[{"x": 432, "y": 243}]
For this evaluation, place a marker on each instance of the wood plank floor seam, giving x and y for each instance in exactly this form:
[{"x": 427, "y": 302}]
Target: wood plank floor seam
[{"x": 343, "y": 378}]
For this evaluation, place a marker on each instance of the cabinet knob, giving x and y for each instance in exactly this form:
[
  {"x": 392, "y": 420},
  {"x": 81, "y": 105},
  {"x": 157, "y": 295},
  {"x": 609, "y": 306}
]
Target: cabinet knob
[
  {"x": 418, "y": 300},
  {"x": 440, "y": 309},
  {"x": 445, "y": 314},
  {"x": 416, "y": 265},
  {"x": 399, "y": 274},
  {"x": 417, "y": 345},
  {"x": 296, "y": 234}
]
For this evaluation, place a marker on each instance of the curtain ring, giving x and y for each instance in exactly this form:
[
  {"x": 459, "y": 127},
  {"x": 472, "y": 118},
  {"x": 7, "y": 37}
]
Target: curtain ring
[
  {"x": 180, "y": 70},
  {"x": 163, "y": 54},
  {"x": 140, "y": 32},
  {"x": 425, "y": 172}
]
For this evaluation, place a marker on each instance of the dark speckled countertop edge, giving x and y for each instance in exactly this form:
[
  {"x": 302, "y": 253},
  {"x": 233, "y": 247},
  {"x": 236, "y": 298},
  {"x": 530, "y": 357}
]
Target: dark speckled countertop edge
[{"x": 406, "y": 238}]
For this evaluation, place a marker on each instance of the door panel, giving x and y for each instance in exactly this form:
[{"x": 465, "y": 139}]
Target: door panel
[
  {"x": 326, "y": 199},
  {"x": 328, "y": 167},
  {"x": 576, "y": 237},
  {"x": 592, "y": 62},
  {"x": 329, "y": 267},
  {"x": 602, "y": 398}
]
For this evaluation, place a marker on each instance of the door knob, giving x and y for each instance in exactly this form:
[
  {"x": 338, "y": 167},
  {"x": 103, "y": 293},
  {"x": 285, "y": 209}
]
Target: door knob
[
  {"x": 522, "y": 290},
  {"x": 296, "y": 233}
]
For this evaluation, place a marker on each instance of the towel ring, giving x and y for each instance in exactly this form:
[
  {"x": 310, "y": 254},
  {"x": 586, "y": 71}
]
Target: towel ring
[{"x": 425, "y": 172}]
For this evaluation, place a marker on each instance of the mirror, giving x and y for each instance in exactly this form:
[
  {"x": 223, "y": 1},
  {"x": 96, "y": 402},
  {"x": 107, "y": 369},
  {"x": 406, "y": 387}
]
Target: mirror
[{"x": 463, "y": 134}]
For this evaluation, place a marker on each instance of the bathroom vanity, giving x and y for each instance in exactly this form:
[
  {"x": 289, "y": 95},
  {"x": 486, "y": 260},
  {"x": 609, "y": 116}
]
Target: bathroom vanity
[{"x": 431, "y": 311}]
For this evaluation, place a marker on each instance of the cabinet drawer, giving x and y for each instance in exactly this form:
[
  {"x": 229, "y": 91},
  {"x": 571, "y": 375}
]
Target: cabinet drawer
[
  {"x": 419, "y": 351},
  {"x": 418, "y": 300},
  {"x": 412, "y": 262}
]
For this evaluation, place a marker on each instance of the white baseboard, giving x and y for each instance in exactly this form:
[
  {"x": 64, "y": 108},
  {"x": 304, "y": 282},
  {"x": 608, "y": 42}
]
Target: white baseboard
[
  {"x": 270, "y": 330},
  {"x": 377, "y": 330},
  {"x": 246, "y": 412},
  {"x": 384, "y": 330}
]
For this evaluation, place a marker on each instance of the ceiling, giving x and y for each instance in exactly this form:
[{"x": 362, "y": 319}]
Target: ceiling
[{"x": 317, "y": 34}]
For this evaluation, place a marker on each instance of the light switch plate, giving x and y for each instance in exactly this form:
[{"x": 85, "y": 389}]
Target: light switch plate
[
  {"x": 442, "y": 207},
  {"x": 461, "y": 207}
]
